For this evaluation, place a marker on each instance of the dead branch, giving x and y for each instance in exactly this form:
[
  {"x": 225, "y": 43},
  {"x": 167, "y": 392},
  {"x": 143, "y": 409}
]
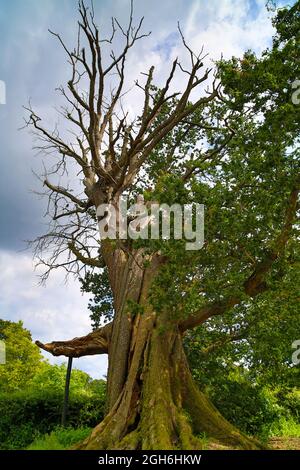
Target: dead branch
[{"x": 96, "y": 342}]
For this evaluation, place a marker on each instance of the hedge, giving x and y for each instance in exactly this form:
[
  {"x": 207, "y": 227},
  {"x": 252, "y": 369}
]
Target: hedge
[{"x": 28, "y": 414}]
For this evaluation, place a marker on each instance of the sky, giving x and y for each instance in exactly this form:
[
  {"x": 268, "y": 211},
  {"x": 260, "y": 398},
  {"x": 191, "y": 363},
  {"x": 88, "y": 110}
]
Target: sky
[{"x": 32, "y": 66}]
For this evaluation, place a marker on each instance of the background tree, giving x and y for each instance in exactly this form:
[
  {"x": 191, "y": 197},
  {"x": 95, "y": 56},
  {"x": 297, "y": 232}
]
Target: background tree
[
  {"x": 32, "y": 391},
  {"x": 23, "y": 360},
  {"x": 233, "y": 148}
]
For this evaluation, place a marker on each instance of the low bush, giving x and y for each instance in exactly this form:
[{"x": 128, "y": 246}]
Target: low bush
[
  {"x": 285, "y": 427},
  {"x": 250, "y": 408},
  {"x": 24, "y": 415},
  {"x": 59, "y": 439}
]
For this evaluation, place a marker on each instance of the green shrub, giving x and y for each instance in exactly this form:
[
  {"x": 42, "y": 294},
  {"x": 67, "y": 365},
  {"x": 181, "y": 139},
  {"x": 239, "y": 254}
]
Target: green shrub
[
  {"x": 285, "y": 427},
  {"x": 59, "y": 439},
  {"x": 254, "y": 407},
  {"x": 27, "y": 414},
  {"x": 291, "y": 401},
  {"x": 251, "y": 408}
]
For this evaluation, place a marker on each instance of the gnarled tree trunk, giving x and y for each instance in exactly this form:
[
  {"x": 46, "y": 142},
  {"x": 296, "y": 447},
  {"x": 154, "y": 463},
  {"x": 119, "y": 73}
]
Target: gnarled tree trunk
[
  {"x": 159, "y": 406},
  {"x": 152, "y": 400}
]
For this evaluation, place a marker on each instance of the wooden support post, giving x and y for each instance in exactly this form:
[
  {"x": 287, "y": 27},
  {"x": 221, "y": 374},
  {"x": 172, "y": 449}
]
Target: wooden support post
[{"x": 67, "y": 389}]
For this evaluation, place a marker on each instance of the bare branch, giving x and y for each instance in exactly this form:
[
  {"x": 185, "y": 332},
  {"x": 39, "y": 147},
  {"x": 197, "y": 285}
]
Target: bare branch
[
  {"x": 64, "y": 192},
  {"x": 96, "y": 342},
  {"x": 94, "y": 263}
]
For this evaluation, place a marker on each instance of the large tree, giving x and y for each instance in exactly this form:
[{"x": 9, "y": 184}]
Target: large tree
[{"x": 227, "y": 139}]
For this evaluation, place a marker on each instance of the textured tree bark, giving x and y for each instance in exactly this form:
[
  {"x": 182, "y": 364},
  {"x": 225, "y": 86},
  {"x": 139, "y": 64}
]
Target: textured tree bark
[
  {"x": 130, "y": 281},
  {"x": 153, "y": 402},
  {"x": 159, "y": 406},
  {"x": 93, "y": 343}
]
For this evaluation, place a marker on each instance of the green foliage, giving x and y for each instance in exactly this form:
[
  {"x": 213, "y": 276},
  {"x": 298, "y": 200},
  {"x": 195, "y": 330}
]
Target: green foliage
[
  {"x": 238, "y": 356},
  {"x": 252, "y": 409},
  {"x": 285, "y": 427},
  {"x": 32, "y": 392},
  {"x": 203, "y": 439},
  {"x": 134, "y": 308},
  {"x": 23, "y": 358},
  {"x": 27, "y": 414},
  {"x": 101, "y": 304},
  {"x": 258, "y": 335},
  {"x": 267, "y": 81},
  {"x": 291, "y": 401},
  {"x": 60, "y": 439},
  {"x": 244, "y": 396},
  {"x": 245, "y": 189},
  {"x": 51, "y": 378}
]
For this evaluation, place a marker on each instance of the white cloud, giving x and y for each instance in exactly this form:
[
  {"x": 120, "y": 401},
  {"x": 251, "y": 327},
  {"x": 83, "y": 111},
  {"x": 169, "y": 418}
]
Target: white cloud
[
  {"x": 230, "y": 27},
  {"x": 227, "y": 27},
  {"x": 57, "y": 311}
]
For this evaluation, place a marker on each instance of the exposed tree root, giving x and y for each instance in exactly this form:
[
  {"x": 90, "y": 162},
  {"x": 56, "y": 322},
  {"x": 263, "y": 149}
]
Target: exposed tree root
[{"x": 160, "y": 406}]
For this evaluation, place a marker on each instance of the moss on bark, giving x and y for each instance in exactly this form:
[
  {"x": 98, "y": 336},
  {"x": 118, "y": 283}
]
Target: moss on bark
[{"x": 160, "y": 406}]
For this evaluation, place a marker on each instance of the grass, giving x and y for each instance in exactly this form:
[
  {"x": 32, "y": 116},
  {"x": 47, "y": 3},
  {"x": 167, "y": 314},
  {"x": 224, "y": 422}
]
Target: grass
[
  {"x": 285, "y": 428},
  {"x": 204, "y": 440},
  {"x": 59, "y": 439},
  {"x": 281, "y": 433}
]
